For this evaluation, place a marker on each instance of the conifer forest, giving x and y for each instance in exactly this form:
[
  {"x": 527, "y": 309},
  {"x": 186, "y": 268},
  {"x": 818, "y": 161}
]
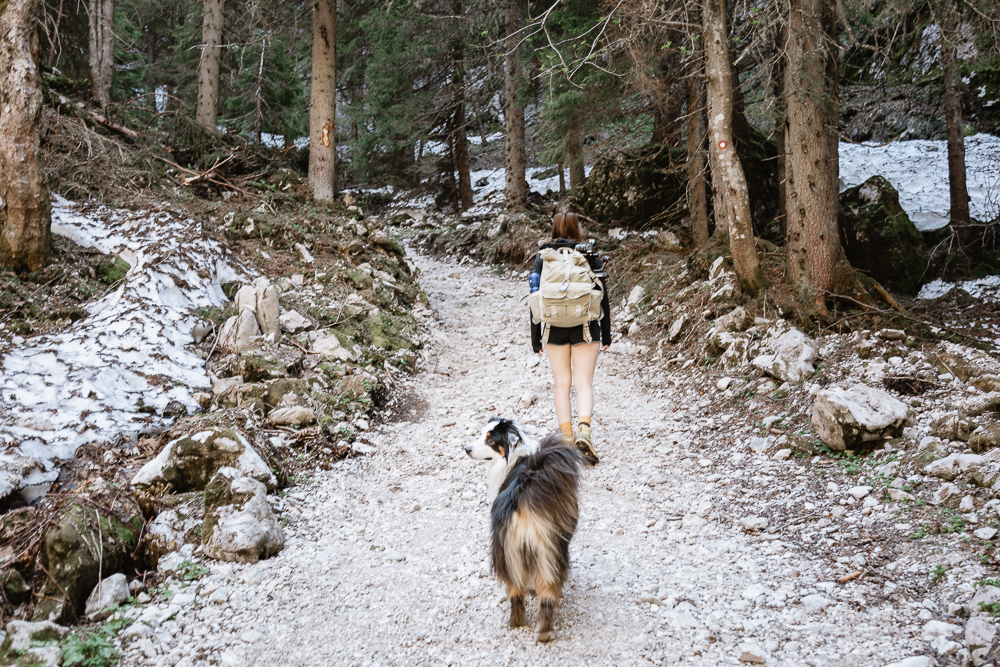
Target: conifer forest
[{"x": 265, "y": 275}]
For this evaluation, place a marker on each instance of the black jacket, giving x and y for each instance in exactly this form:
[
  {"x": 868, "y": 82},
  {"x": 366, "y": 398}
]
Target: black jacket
[{"x": 597, "y": 266}]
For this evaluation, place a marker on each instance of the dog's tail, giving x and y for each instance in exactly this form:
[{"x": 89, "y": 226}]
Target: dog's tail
[{"x": 536, "y": 513}]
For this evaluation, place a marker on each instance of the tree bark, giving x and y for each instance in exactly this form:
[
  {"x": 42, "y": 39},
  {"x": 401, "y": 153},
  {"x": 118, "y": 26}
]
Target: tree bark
[
  {"x": 574, "y": 156},
  {"x": 211, "y": 51},
  {"x": 945, "y": 14},
  {"x": 515, "y": 160},
  {"x": 462, "y": 162},
  {"x": 25, "y": 217},
  {"x": 697, "y": 197},
  {"x": 322, "y": 103},
  {"x": 102, "y": 48},
  {"x": 812, "y": 164},
  {"x": 727, "y": 172}
]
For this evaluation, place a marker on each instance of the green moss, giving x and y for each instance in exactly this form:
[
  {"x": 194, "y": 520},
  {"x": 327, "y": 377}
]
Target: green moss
[
  {"x": 879, "y": 238},
  {"x": 112, "y": 271}
]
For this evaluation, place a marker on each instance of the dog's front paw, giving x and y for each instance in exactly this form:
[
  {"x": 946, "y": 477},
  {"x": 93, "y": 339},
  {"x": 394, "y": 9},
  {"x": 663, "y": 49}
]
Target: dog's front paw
[{"x": 543, "y": 637}]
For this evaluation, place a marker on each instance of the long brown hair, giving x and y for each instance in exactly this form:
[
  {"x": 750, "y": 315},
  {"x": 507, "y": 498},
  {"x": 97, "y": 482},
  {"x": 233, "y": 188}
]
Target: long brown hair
[{"x": 566, "y": 225}]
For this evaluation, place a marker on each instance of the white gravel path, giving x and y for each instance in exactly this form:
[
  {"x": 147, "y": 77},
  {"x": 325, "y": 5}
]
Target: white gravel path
[{"x": 386, "y": 561}]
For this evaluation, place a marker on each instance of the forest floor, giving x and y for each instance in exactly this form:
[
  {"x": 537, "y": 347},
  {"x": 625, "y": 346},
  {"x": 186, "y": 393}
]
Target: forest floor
[{"x": 386, "y": 558}]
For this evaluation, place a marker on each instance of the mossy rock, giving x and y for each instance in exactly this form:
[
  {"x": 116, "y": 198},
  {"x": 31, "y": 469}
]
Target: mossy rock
[
  {"x": 83, "y": 545},
  {"x": 259, "y": 367},
  {"x": 112, "y": 271},
  {"x": 879, "y": 238},
  {"x": 630, "y": 188},
  {"x": 14, "y": 588}
]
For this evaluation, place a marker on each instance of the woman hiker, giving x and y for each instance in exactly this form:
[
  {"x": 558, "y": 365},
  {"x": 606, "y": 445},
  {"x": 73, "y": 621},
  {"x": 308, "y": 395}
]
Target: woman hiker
[{"x": 573, "y": 350}]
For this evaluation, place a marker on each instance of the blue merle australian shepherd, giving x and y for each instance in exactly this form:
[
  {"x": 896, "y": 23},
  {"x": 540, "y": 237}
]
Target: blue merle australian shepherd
[{"x": 534, "y": 489}]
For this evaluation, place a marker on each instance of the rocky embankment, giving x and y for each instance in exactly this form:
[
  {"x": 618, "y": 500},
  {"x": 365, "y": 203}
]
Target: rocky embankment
[{"x": 296, "y": 368}]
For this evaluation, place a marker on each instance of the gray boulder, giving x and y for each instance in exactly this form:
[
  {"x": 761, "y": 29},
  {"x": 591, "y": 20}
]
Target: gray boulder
[
  {"x": 845, "y": 418},
  {"x": 189, "y": 462},
  {"x": 239, "y": 523},
  {"x": 111, "y": 592},
  {"x": 792, "y": 357}
]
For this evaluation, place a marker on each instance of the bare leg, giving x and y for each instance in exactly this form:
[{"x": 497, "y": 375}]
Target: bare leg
[
  {"x": 584, "y": 358},
  {"x": 562, "y": 380}
]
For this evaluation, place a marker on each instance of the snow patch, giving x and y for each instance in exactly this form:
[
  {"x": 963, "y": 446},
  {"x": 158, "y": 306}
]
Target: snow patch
[{"x": 62, "y": 390}]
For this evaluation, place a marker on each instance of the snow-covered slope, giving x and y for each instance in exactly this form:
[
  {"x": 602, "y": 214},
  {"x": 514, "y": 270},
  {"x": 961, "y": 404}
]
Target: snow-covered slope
[{"x": 60, "y": 391}]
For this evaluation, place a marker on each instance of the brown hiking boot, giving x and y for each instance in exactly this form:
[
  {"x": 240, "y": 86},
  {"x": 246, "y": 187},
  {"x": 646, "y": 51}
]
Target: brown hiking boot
[{"x": 582, "y": 442}]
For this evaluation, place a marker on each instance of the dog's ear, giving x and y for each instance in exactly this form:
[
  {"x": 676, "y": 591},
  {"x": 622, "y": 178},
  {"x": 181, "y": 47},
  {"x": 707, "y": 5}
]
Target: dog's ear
[{"x": 511, "y": 437}]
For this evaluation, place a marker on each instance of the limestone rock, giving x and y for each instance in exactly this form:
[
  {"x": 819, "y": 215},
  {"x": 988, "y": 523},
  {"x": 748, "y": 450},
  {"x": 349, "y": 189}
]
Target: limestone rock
[
  {"x": 986, "y": 440},
  {"x": 329, "y": 346},
  {"x": 267, "y": 309},
  {"x": 845, "y": 418},
  {"x": 292, "y": 322},
  {"x": 351, "y": 389},
  {"x": 239, "y": 523},
  {"x": 189, "y": 462},
  {"x": 736, "y": 353},
  {"x": 675, "y": 329},
  {"x": 792, "y": 359},
  {"x": 965, "y": 363},
  {"x": 948, "y": 495},
  {"x": 635, "y": 295},
  {"x": 111, "y": 592},
  {"x": 304, "y": 253},
  {"x": 295, "y": 415},
  {"x": 979, "y": 636},
  {"x": 260, "y": 366},
  {"x": 719, "y": 266},
  {"x": 952, "y": 427},
  {"x": 953, "y": 465},
  {"x": 914, "y": 661},
  {"x": 179, "y": 525},
  {"x": 239, "y": 332},
  {"x": 79, "y": 546},
  {"x": 737, "y": 320},
  {"x": 21, "y": 634}
]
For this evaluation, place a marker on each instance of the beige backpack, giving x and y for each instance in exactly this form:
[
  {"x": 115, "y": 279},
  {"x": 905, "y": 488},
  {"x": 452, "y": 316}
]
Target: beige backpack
[{"x": 569, "y": 293}]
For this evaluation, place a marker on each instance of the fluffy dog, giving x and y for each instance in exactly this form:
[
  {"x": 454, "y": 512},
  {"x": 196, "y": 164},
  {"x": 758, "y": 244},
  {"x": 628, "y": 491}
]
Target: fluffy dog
[{"x": 534, "y": 488}]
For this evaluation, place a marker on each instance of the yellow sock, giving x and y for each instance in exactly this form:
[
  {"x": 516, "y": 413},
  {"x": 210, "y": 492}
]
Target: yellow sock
[
  {"x": 567, "y": 429},
  {"x": 584, "y": 421}
]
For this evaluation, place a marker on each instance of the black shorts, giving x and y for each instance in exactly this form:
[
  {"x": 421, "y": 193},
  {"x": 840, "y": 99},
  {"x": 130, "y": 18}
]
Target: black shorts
[{"x": 574, "y": 335}]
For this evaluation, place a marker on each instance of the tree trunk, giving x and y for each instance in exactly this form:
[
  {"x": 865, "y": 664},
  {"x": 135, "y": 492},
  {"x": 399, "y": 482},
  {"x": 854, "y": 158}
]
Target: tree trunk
[
  {"x": 574, "y": 156},
  {"x": 102, "y": 48},
  {"x": 944, "y": 13},
  {"x": 812, "y": 164},
  {"x": 780, "y": 130},
  {"x": 460, "y": 131},
  {"x": 697, "y": 198},
  {"x": 25, "y": 217},
  {"x": 322, "y": 103},
  {"x": 515, "y": 160},
  {"x": 727, "y": 172},
  {"x": 211, "y": 51}
]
